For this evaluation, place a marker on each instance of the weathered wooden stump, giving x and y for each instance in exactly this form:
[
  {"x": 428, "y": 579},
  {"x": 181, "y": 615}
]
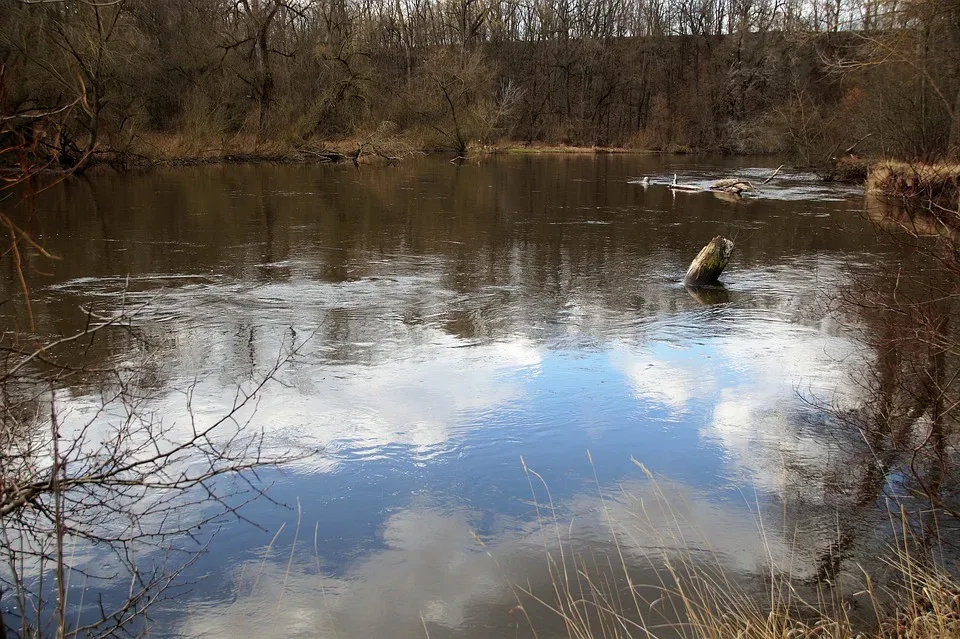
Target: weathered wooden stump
[{"x": 709, "y": 262}]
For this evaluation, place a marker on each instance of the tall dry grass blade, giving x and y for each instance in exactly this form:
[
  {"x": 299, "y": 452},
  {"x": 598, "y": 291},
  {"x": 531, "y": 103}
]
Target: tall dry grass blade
[
  {"x": 263, "y": 561},
  {"x": 293, "y": 548}
]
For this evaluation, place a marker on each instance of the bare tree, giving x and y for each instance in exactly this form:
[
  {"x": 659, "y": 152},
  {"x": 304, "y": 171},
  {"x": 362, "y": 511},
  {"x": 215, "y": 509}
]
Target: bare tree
[
  {"x": 122, "y": 480},
  {"x": 262, "y": 25},
  {"x": 456, "y": 80},
  {"x": 32, "y": 142}
]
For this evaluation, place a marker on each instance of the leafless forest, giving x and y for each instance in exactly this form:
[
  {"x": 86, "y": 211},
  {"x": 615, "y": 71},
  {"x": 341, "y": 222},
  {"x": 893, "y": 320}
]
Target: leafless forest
[{"x": 185, "y": 79}]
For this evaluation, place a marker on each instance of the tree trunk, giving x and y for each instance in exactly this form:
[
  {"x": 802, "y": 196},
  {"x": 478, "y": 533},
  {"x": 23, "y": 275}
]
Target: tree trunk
[
  {"x": 266, "y": 77},
  {"x": 710, "y": 262}
]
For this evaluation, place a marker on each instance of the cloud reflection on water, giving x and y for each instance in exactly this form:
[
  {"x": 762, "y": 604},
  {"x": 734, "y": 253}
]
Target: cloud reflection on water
[
  {"x": 461, "y": 326},
  {"x": 431, "y": 565},
  {"x": 371, "y": 379},
  {"x": 386, "y": 376},
  {"x": 366, "y": 379},
  {"x": 755, "y": 383}
]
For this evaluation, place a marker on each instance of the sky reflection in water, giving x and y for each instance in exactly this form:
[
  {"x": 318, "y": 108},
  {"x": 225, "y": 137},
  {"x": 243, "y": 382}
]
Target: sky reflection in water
[{"x": 450, "y": 339}]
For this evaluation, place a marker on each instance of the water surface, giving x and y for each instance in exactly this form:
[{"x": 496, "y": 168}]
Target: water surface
[{"x": 451, "y": 321}]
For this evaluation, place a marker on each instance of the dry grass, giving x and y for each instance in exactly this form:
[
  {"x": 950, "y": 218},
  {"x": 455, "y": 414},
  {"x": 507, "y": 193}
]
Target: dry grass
[
  {"x": 927, "y": 181},
  {"x": 684, "y": 592},
  {"x": 171, "y": 147},
  {"x": 693, "y": 596},
  {"x": 536, "y": 147}
]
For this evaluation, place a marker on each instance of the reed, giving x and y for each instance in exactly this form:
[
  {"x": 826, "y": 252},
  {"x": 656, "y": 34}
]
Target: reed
[{"x": 694, "y": 596}]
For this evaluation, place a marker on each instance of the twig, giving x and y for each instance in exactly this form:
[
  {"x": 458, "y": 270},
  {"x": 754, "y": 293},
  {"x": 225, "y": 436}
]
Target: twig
[
  {"x": 849, "y": 151},
  {"x": 772, "y": 175}
]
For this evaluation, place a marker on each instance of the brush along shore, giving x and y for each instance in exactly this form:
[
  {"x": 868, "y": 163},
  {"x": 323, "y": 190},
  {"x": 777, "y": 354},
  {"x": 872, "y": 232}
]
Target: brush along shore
[{"x": 934, "y": 183}]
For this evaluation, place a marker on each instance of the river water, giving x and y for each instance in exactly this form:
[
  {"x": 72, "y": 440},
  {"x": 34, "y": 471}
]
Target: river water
[{"x": 457, "y": 326}]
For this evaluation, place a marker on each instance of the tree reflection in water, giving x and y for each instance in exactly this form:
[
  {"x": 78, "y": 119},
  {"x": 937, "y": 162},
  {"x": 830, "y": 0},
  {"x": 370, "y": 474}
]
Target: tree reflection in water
[{"x": 902, "y": 438}]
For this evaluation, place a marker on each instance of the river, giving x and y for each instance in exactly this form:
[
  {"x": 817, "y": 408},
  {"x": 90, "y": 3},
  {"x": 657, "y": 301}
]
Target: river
[{"x": 455, "y": 327}]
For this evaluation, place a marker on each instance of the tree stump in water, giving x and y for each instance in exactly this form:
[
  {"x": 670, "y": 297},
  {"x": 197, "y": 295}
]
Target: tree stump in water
[{"x": 709, "y": 262}]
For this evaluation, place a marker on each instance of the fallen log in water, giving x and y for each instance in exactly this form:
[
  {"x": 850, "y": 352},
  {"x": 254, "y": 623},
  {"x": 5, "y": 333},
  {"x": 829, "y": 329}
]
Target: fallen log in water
[
  {"x": 733, "y": 185},
  {"x": 733, "y": 198},
  {"x": 324, "y": 155},
  {"x": 772, "y": 175},
  {"x": 683, "y": 187},
  {"x": 739, "y": 185},
  {"x": 709, "y": 262}
]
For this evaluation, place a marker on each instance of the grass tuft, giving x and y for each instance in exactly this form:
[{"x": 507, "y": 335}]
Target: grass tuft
[
  {"x": 692, "y": 595},
  {"x": 934, "y": 182}
]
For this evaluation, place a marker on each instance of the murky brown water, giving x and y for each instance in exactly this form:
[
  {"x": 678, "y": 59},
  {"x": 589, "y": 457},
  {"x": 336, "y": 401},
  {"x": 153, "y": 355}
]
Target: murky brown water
[{"x": 466, "y": 316}]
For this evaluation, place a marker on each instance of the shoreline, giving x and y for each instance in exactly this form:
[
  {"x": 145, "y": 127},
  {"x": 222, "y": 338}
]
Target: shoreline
[
  {"x": 163, "y": 150},
  {"x": 337, "y": 155},
  {"x": 926, "y": 190}
]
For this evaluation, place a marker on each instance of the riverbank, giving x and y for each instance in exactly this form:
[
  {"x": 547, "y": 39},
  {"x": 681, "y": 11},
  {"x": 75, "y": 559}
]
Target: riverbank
[
  {"x": 936, "y": 182},
  {"x": 927, "y": 195},
  {"x": 179, "y": 150}
]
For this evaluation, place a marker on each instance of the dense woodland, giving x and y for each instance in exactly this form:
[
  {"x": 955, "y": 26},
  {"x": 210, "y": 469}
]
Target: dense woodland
[{"x": 199, "y": 77}]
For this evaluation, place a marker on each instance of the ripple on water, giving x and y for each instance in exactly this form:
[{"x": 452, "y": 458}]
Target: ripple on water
[{"x": 454, "y": 331}]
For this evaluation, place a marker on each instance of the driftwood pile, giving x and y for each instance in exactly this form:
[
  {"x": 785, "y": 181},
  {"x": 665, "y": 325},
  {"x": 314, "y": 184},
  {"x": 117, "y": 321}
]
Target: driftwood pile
[
  {"x": 737, "y": 186},
  {"x": 733, "y": 185}
]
